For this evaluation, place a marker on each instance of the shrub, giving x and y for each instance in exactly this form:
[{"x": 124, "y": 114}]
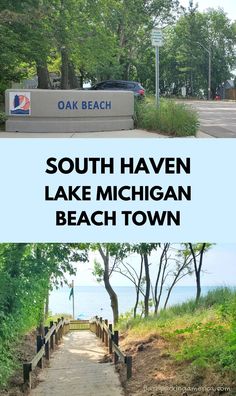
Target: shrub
[
  {"x": 2, "y": 117},
  {"x": 172, "y": 118},
  {"x": 202, "y": 333}
]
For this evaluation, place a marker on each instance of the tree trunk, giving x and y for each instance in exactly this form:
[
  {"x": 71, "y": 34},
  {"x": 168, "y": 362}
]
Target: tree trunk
[
  {"x": 46, "y": 310},
  {"x": 108, "y": 287},
  {"x": 198, "y": 284},
  {"x": 113, "y": 297},
  {"x": 64, "y": 69},
  {"x": 126, "y": 67},
  {"x": 162, "y": 278},
  {"x": 157, "y": 299},
  {"x": 73, "y": 82},
  {"x": 160, "y": 291},
  {"x": 81, "y": 79},
  {"x": 43, "y": 76},
  {"x": 148, "y": 285},
  {"x": 197, "y": 268},
  {"x": 136, "y": 302},
  {"x": 41, "y": 322},
  {"x": 169, "y": 292},
  {"x": 138, "y": 288}
]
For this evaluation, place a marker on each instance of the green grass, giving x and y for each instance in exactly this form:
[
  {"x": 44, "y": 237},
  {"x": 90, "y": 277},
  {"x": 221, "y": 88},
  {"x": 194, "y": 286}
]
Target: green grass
[
  {"x": 203, "y": 334},
  {"x": 54, "y": 318},
  {"x": 175, "y": 119}
]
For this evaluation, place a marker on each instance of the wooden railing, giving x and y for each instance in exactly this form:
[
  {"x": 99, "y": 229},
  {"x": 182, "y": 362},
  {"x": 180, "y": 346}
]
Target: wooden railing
[
  {"x": 103, "y": 330},
  {"x": 79, "y": 325},
  {"x": 44, "y": 346}
]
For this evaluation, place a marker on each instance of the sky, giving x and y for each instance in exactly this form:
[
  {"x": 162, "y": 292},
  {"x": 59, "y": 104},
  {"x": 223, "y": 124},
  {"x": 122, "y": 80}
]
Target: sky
[
  {"x": 219, "y": 269},
  {"x": 229, "y": 6}
]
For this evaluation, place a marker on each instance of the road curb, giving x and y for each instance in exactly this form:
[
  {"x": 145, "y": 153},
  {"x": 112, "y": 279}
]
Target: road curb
[{"x": 203, "y": 135}]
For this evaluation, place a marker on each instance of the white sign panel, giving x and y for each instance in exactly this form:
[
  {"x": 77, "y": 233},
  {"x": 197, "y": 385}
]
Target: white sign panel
[{"x": 157, "y": 38}]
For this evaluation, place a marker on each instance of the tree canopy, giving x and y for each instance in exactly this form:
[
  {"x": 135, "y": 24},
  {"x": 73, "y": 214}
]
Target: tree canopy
[{"x": 97, "y": 40}]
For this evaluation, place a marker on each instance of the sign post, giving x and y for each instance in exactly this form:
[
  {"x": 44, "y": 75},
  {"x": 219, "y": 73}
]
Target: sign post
[{"x": 157, "y": 41}]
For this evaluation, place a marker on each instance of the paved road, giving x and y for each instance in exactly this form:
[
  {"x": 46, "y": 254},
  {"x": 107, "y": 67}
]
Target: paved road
[
  {"x": 218, "y": 119},
  {"x": 75, "y": 370}
]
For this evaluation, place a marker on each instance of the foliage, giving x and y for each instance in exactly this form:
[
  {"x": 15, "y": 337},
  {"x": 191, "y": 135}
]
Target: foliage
[
  {"x": 27, "y": 273},
  {"x": 101, "y": 39},
  {"x": 55, "y": 317},
  {"x": 111, "y": 39},
  {"x": 213, "y": 342},
  {"x": 171, "y": 118},
  {"x": 2, "y": 117},
  {"x": 98, "y": 271},
  {"x": 184, "y": 57},
  {"x": 202, "y": 333}
]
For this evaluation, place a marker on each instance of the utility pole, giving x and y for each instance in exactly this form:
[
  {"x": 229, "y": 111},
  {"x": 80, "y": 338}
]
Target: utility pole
[{"x": 208, "y": 50}]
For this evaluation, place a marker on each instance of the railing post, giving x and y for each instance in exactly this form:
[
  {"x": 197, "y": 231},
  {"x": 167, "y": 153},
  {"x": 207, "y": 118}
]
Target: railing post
[
  {"x": 116, "y": 341},
  {"x": 129, "y": 366},
  {"x": 96, "y": 318},
  {"x": 38, "y": 347},
  {"x": 106, "y": 333},
  {"x": 110, "y": 339},
  {"x": 27, "y": 368},
  {"x": 100, "y": 327},
  {"x": 47, "y": 345},
  {"x": 56, "y": 335},
  {"x": 103, "y": 334},
  {"x": 59, "y": 330},
  {"x": 62, "y": 327},
  {"x": 52, "y": 336}
]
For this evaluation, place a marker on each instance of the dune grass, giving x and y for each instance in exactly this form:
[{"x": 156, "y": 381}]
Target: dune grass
[
  {"x": 174, "y": 119},
  {"x": 55, "y": 317},
  {"x": 203, "y": 334}
]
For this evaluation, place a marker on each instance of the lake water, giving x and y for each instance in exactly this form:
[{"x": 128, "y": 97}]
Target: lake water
[{"x": 94, "y": 300}]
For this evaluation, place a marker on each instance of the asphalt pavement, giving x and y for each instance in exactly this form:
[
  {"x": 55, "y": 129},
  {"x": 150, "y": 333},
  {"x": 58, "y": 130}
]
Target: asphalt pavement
[{"x": 217, "y": 118}]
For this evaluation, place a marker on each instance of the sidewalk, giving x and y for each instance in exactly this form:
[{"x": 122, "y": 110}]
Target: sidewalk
[
  {"x": 133, "y": 134},
  {"x": 75, "y": 369}
]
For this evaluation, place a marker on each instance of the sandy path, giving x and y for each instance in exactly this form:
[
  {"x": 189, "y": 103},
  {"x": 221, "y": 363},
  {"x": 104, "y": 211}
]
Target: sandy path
[{"x": 75, "y": 370}]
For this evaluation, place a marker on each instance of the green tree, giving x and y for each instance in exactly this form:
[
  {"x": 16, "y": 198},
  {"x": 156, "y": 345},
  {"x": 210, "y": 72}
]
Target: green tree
[
  {"x": 195, "y": 252},
  {"x": 27, "y": 273},
  {"x": 111, "y": 254},
  {"x": 184, "y": 61}
]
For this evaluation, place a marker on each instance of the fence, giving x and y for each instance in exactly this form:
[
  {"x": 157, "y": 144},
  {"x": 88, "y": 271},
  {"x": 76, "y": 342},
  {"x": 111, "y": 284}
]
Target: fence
[
  {"x": 230, "y": 93},
  {"x": 103, "y": 330},
  {"x": 53, "y": 334},
  {"x": 44, "y": 346},
  {"x": 79, "y": 325}
]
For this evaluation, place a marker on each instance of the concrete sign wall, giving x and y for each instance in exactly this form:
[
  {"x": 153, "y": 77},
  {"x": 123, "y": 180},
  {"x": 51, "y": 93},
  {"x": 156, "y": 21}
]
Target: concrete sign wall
[{"x": 36, "y": 110}]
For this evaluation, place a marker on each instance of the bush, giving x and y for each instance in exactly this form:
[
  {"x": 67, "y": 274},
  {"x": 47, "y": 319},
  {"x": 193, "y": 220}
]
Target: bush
[
  {"x": 202, "y": 333},
  {"x": 172, "y": 118},
  {"x": 2, "y": 117}
]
